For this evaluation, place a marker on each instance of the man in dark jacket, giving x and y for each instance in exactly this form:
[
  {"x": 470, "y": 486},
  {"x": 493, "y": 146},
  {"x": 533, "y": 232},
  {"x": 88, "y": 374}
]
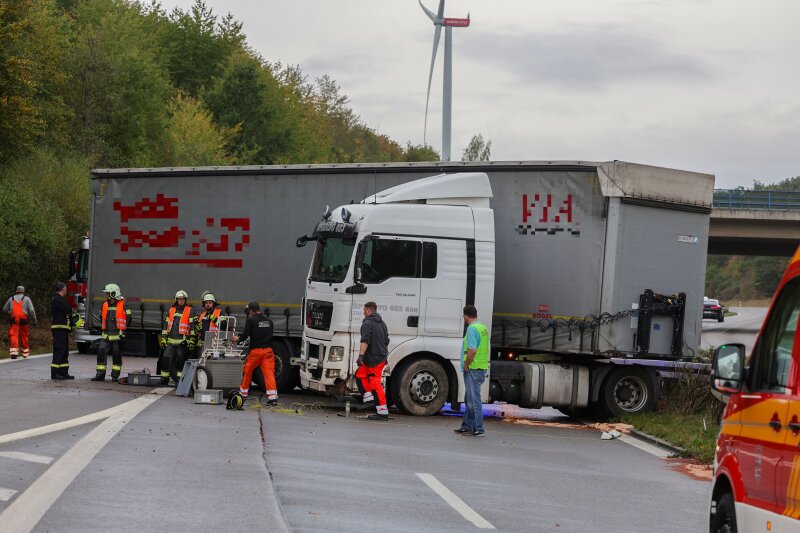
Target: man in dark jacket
[
  {"x": 372, "y": 354},
  {"x": 258, "y": 329},
  {"x": 62, "y": 315}
]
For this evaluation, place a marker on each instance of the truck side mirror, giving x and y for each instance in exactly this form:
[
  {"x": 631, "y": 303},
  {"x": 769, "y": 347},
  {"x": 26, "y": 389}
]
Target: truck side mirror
[{"x": 728, "y": 368}]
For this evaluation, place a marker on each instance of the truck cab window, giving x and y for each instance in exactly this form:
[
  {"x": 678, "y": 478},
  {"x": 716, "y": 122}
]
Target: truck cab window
[
  {"x": 429, "y": 258},
  {"x": 332, "y": 259},
  {"x": 773, "y": 355},
  {"x": 389, "y": 258}
]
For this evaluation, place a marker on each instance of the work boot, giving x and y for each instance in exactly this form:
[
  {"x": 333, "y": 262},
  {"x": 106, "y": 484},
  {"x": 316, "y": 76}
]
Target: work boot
[
  {"x": 272, "y": 403},
  {"x": 57, "y": 377},
  {"x": 164, "y": 381},
  {"x": 67, "y": 376},
  {"x": 114, "y": 377},
  {"x": 99, "y": 377},
  {"x": 377, "y": 416}
]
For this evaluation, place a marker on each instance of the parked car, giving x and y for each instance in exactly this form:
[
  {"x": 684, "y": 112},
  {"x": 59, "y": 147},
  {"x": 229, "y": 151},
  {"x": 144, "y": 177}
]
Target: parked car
[
  {"x": 756, "y": 484},
  {"x": 713, "y": 309}
]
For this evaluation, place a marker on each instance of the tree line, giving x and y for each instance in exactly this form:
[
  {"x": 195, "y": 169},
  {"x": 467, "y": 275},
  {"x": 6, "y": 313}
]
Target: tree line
[{"x": 116, "y": 83}]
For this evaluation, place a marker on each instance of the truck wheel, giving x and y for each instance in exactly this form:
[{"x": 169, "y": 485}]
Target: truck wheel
[
  {"x": 421, "y": 388},
  {"x": 628, "y": 390},
  {"x": 724, "y": 520},
  {"x": 83, "y": 347},
  {"x": 284, "y": 374}
]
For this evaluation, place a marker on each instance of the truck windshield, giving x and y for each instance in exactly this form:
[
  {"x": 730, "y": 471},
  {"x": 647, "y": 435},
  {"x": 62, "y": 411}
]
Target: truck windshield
[{"x": 332, "y": 259}]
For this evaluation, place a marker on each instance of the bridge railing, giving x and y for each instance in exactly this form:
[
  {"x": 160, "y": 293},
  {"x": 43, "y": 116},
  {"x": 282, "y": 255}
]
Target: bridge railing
[{"x": 748, "y": 199}]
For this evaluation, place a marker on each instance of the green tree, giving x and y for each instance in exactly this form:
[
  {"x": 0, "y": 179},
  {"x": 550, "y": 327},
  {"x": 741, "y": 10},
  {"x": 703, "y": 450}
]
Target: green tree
[
  {"x": 195, "y": 139},
  {"x": 420, "y": 152},
  {"x": 32, "y": 40},
  {"x": 478, "y": 149},
  {"x": 119, "y": 91}
]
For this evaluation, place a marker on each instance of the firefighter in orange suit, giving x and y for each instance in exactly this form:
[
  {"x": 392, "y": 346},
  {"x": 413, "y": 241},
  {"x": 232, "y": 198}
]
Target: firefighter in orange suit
[
  {"x": 176, "y": 337},
  {"x": 114, "y": 320},
  {"x": 258, "y": 329},
  {"x": 20, "y": 308}
]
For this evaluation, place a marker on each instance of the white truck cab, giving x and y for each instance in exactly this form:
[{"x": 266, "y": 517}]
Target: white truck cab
[{"x": 422, "y": 251}]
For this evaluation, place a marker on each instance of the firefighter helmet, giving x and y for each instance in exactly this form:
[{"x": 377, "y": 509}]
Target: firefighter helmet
[
  {"x": 208, "y": 296},
  {"x": 235, "y": 401},
  {"x": 181, "y": 294},
  {"x": 113, "y": 291}
]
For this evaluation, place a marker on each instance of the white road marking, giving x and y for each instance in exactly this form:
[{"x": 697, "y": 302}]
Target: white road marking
[
  {"x": 646, "y": 447},
  {"x": 30, "y": 457},
  {"x": 6, "y": 494},
  {"x": 28, "y": 358},
  {"x": 455, "y": 502},
  {"x": 27, "y": 510}
]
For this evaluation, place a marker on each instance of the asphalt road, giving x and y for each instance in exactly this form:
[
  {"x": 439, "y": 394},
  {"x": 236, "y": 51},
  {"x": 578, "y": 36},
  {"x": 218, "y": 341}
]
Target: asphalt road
[
  {"x": 742, "y": 328},
  {"x": 152, "y": 461}
]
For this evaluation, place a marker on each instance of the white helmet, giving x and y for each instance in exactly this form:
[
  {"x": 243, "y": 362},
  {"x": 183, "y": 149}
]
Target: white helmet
[
  {"x": 113, "y": 291},
  {"x": 208, "y": 296},
  {"x": 181, "y": 294}
]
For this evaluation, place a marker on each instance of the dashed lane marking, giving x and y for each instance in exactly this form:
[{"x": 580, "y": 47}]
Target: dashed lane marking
[
  {"x": 6, "y": 494},
  {"x": 30, "y": 506},
  {"x": 455, "y": 502},
  {"x": 30, "y": 457}
]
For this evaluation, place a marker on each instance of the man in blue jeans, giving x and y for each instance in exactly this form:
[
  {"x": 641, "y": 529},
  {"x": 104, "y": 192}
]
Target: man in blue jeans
[{"x": 475, "y": 364}]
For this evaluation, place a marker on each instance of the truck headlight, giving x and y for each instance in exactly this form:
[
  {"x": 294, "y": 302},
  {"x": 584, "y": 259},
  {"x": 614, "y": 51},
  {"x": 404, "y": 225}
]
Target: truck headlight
[{"x": 336, "y": 354}]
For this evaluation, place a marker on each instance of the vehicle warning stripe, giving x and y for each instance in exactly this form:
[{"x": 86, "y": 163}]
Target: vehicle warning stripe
[{"x": 793, "y": 491}]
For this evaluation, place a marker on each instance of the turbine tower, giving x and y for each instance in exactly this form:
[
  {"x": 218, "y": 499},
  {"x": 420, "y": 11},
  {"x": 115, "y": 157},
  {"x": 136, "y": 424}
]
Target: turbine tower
[{"x": 440, "y": 21}]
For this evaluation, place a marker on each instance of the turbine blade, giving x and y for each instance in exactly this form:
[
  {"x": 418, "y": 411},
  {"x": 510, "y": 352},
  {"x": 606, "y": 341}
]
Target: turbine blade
[
  {"x": 431, "y": 14},
  {"x": 437, "y": 33},
  {"x": 440, "y": 14}
]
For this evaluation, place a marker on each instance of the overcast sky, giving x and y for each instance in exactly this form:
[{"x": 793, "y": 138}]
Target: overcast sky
[{"x": 703, "y": 85}]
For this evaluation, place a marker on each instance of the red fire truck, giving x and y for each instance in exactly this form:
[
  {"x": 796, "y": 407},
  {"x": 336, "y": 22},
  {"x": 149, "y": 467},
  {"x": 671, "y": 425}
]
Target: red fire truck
[{"x": 757, "y": 465}]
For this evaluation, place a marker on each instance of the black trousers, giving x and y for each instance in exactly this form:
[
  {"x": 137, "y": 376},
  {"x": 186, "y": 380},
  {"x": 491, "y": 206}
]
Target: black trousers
[
  {"x": 172, "y": 361},
  {"x": 60, "y": 364},
  {"x": 103, "y": 350}
]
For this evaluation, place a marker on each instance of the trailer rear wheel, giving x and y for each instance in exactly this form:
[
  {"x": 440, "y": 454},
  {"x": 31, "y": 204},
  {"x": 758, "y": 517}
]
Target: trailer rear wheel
[
  {"x": 421, "y": 388},
  {"x": 284, "y": 373},
  {"x": 628, "y": 390}
]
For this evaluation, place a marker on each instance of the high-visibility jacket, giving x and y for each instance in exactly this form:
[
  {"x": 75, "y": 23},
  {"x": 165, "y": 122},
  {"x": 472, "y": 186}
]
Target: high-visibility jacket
[
  {"x": 183, "y": 327},
  {"x": 213, "y": 324},
  {"x": 481, "y": 361},
  {"x": 121, "y": 316}
]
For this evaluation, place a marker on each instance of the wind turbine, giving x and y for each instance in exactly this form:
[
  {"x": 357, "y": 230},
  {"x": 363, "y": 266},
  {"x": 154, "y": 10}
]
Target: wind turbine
[{"x": 439, "y": 21}]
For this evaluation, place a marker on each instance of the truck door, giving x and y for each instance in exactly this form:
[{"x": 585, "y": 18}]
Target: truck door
[
  {"x": 443, "y": 288},
  {"x": 390, "y": 271},
  {"x": 765, "y": 407}
]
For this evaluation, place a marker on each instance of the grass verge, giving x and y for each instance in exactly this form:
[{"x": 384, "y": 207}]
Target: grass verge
[{"x": 683, "y": 430}]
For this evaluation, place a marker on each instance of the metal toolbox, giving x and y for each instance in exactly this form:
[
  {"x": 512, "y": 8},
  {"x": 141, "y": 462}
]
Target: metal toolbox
[
  {"x": 224, "y": 373},
  {"x": 210, "y": 397},
  {"x": 138, "y": 378}
]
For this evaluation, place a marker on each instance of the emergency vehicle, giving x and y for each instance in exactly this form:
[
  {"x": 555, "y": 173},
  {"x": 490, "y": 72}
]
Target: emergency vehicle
[{"x": 757, "y": 464}]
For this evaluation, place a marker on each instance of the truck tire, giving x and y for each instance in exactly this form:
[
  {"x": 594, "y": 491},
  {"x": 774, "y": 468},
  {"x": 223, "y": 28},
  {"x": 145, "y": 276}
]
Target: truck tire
[
  {"x": 284, "y": 373},
  {"x": 421, "y": 388},
  {"x": 83, "y": 347},
  {"x": 628, "y": 390},
  {"x": 721, "y": 318},
  {"x": 724, "y": 520}
]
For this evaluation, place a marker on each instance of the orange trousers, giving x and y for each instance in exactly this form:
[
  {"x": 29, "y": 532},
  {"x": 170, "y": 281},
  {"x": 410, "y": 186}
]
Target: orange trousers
[
  {"x": 18, "y": 335},
  {"x": 371, "y": 381},
  {"x": 264, "y": 358}
]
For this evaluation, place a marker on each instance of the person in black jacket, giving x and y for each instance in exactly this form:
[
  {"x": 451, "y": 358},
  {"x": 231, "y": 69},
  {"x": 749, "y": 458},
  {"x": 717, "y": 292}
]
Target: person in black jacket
[
  {"x": 258, "y": 329},
  {"x": 373, "y": 352},
  {"x": 62, "y": 315}
]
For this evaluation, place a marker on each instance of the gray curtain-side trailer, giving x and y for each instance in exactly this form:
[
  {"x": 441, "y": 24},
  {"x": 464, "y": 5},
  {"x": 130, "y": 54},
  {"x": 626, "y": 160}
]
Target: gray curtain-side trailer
[{"x": 579, "y": 246}]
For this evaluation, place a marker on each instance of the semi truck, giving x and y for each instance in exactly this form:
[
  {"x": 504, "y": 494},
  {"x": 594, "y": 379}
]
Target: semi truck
[
  {"x": 594, "y": 290},
  {"x": 589, "y": 275}
]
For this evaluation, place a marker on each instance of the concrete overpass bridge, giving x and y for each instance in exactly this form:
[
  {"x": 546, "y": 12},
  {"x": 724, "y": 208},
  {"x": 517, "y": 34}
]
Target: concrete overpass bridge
[{"x": 745, "y": 222}]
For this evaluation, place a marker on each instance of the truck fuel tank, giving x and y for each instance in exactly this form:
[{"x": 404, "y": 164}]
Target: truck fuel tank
[{"x": 554, "y": 385}]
